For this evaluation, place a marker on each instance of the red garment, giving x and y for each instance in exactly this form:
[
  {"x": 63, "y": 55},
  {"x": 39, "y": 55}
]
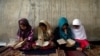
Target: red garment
[
  {"x": 83, "y": 43},
  {"x": 74, "y": 53}
]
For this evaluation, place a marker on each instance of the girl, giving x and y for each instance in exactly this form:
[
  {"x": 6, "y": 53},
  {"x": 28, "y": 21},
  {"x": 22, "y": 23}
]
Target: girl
[
  {"x": 79, "y": 33},
  {"x": 63, "y": 31},
  {"x": 24, "y": 35},
  {"x": 44, "y": 38}
]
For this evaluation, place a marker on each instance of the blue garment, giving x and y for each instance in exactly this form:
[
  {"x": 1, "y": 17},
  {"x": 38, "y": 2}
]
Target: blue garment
[
  {"x": 63, "y": 21},
  {"x": 39, "y": 52}
]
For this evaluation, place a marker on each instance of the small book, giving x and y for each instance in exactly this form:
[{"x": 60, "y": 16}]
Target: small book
[
  {"x": 70, "y": 42},
  {"x": 61, "y": 41}
]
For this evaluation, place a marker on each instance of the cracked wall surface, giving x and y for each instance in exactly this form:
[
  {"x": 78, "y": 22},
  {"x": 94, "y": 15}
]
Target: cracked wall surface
[{"x": 88, "y": 11}]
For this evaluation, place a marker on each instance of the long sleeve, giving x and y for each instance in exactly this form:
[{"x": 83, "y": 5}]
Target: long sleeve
[
  {"x": 31, "y": 36},
  {"x": 56, "y": 33}
]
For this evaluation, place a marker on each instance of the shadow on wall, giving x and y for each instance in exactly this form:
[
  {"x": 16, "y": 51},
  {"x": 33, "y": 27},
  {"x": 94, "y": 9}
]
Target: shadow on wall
[
  {"x": 97, "y": 31},
  {"x": 4, "y": 38}
]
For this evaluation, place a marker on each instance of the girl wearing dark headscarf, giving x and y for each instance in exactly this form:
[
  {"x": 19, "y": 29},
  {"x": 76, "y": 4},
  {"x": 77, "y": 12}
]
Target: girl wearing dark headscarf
[
  {"x": 63, "y": 32},
  {"x": 25, "y": 34}
]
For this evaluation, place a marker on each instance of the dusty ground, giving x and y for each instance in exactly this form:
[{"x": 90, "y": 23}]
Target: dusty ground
[{"x": 94, "y": 51}]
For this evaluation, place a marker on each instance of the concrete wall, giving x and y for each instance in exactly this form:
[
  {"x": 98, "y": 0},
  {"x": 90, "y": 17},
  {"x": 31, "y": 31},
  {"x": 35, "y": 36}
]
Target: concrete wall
[{"x": 11, "y": 11}]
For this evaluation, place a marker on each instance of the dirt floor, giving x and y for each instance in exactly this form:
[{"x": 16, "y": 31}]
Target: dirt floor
[{"x": 94, "y": 51}]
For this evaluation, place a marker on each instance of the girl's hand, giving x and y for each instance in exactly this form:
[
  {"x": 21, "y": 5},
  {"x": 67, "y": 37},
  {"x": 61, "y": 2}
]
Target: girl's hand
[
  {"x": 25, "y": 39},
  {"x": 51, "y": 43},
  {"x": 79, "y": 49},
  {"x": 20, "y": 39}
]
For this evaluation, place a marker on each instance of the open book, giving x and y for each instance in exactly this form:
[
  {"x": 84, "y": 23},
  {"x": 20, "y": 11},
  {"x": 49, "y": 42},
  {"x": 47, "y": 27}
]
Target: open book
[
  {"x": 3, "y": 43},
  {"x": 68, "y": 42},
  {"x": 61, "y": 41},
  {"x": 45, "y": 43}
]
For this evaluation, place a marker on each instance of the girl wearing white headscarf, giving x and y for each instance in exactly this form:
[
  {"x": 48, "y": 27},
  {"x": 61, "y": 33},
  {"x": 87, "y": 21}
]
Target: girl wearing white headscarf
[{"x": 79, "y": 33}]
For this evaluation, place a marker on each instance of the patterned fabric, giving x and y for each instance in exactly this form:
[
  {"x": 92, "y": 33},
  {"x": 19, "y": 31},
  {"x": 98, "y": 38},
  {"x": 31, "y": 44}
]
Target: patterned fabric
[
  {"x": 58, "y": 52},
  {"x": 25, "y": 34},
  {"x": 10, "y": 52}
]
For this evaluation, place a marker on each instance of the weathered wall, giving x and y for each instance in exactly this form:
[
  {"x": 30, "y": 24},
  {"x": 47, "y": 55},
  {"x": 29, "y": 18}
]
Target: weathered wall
[{"x": 11, "y": 11}]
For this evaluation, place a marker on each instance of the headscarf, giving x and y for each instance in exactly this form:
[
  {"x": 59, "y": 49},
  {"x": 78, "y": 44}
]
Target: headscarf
[
  {"x": 61, "y": 23},
  {"x": 41, "y": 38},
  {"x": 24, "y": 33},
  {"x": 80, "y": 32},
  {"x": 48, "y": 30}
]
